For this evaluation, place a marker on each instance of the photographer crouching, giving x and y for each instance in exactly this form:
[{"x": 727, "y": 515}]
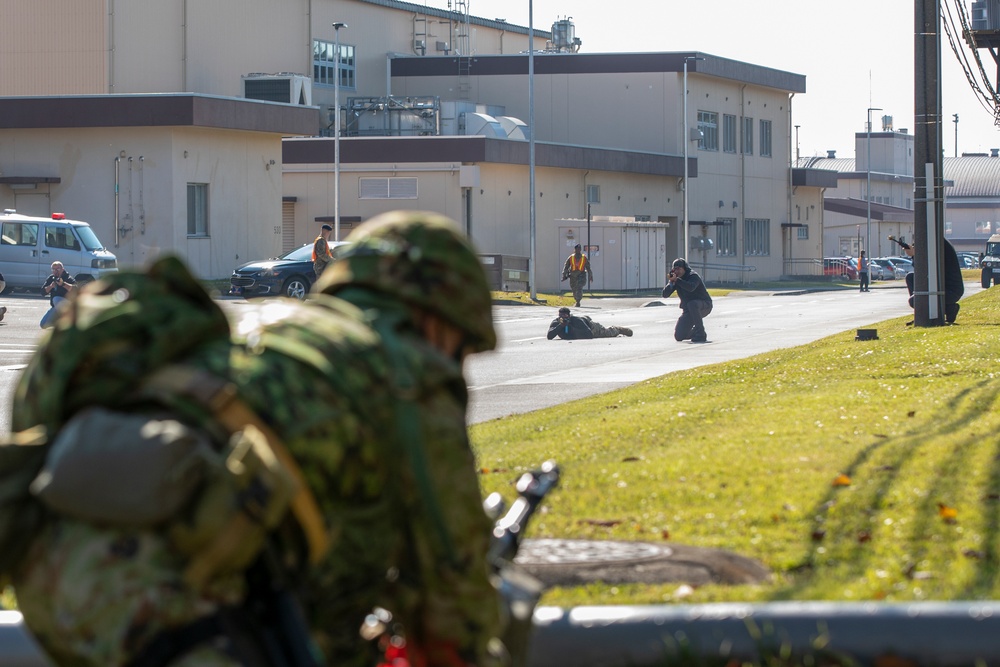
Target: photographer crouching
[
  {"x": 696, "y": 303},
  {"x": 56, "y": 287}
]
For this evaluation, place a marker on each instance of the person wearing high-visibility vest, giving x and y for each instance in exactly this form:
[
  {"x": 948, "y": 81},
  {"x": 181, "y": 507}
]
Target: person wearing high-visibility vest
[
  {"x": 577, "y": 269},
  {"x": 321, "y": 255}
]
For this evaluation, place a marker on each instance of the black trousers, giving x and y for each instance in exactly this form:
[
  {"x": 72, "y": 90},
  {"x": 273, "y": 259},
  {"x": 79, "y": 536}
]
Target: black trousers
[
  {"x": 690, "y": 325},
  {"x": 951, "y": 305}
]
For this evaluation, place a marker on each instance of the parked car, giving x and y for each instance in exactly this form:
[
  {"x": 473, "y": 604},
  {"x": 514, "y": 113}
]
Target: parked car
[
  {"x": 888, "y": 269},
  {"x": 844, "y": 267},
  {"x": 968, "y": 260},
  {"x": 289, "y": 275},
  {"x": 905, "y": 263}
]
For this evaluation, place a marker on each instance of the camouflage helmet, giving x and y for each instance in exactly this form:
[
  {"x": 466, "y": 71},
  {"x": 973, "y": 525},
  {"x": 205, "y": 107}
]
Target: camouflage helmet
[{"x": 422, "y": 259}]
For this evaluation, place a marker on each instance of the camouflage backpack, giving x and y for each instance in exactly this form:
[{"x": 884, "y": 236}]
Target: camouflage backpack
[{"x": 118, "y": 349}]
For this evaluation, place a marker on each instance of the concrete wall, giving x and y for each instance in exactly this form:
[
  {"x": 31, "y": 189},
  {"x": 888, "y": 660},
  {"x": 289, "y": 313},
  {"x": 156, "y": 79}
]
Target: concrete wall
[
  {"x": 139, "y": 47},
  {"x": 52, "y": 47}
]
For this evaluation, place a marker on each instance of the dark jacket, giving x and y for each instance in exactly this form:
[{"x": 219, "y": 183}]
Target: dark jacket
[
  {"x": 954, "y": 284},
  {"x": 58, "y": 290},
  {"x": 572, "y": 329},
  {"x": 688, "y": 288}
]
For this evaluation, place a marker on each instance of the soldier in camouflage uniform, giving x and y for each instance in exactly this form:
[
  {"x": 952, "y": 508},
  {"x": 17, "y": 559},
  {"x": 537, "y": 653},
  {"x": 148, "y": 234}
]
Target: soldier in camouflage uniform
[
  {"x": 364, "y": 384},
  {"x": 577, "y": 270}
]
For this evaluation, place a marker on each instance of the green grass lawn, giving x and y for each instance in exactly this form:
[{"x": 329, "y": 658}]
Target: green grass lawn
[{"x": 854, "y": 470}]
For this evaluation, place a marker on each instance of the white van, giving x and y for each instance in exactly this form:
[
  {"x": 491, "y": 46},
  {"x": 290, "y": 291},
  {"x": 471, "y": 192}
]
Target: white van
[{"x": 29, "y": 245}]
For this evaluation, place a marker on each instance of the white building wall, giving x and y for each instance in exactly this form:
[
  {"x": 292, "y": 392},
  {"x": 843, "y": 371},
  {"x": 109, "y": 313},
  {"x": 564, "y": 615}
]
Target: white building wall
[
  {"x": 500, "y": 215},
  {"x": 154, "y": 168}
]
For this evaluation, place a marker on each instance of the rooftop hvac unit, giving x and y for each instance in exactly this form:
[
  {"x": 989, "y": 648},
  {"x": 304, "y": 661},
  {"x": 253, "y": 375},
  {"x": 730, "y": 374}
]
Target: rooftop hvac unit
[{"x": 284, "y": 88}]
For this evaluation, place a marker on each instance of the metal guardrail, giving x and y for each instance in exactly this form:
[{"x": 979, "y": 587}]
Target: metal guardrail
[
  {"x": 17, "y": 648},
  {"x": 723, "y": 273},
  {"x": 942, "y": 634}
]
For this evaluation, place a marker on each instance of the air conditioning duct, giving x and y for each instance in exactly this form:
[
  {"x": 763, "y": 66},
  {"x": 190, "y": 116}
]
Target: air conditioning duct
[{"x": 284, "y": 87}]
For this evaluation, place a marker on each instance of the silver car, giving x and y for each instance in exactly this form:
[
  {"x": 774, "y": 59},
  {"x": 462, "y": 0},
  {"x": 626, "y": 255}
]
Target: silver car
[{"x": 887, "y": 269}]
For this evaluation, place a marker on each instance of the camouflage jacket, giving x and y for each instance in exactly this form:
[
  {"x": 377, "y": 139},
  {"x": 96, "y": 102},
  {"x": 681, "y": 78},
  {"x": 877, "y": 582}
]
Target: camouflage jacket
[{"x": 374, "y": 416}]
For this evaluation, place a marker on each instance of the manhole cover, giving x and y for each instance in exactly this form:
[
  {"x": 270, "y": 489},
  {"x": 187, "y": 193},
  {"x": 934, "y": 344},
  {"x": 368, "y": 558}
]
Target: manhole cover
[
  {"x": 563, "y": 562},
  {"x": 567, "y": 552}
]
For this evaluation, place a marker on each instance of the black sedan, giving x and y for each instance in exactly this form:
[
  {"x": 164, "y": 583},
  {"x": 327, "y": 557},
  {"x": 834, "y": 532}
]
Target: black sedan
[{"x": 289, "y": 275}]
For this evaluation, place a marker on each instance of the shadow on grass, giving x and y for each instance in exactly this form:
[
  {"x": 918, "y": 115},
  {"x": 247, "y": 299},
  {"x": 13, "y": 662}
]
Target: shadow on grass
[{"x": 848, "y": 520}]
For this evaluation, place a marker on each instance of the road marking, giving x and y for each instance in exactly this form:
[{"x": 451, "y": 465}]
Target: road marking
[{"x": 17, "y": 367}]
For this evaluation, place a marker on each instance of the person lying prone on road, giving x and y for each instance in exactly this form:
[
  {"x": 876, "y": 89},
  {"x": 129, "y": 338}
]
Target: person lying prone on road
[{"x": 570, "y": 327}]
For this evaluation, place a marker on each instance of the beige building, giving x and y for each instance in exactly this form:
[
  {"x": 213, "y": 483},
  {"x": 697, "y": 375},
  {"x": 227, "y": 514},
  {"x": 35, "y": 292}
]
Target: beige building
[
  {"x": 434, "y": 115},
  {"x": 972, "y": 196}
]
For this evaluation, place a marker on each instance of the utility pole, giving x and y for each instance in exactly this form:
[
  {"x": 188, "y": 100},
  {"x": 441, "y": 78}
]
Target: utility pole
[{"x": 928, "y": 209}]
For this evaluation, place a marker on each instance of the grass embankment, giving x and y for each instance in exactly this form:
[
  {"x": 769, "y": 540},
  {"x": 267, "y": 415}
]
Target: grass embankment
[{"x": 854, "y": 470}]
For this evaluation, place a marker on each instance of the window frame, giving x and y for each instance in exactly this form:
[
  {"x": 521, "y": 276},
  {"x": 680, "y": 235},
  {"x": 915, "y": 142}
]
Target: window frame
[
  {"x": 708, "y": 124},
  {"x": 765, "y": 138},
  {"x": 757, "y": 237},
  {"x": 729, "y": 133},
  {"x": 198, "y": 211},
  {"x": 725, "y": 238},
  {"x": 324, "y": 64},
  {"x": 746, "y": 142}
]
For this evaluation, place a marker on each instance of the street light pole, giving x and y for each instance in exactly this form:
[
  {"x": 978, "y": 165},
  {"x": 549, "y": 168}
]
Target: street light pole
[
  {"x": 686, "y": 139},
  {"x": 868, "y": 194},
  {"x": 531, "y": 150},
  {"x": 955, "y": 116},
  {"x": 337, "y": 25}
]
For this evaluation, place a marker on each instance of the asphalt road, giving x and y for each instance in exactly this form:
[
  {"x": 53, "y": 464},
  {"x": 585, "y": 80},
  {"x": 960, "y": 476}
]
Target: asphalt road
[{"x": 528, "y": 372}]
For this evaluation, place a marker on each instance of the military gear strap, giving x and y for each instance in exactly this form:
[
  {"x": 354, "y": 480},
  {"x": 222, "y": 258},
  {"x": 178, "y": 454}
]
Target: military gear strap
[
  {"x": 221, "y": 399},
  {"x": 410, "y": 438}
]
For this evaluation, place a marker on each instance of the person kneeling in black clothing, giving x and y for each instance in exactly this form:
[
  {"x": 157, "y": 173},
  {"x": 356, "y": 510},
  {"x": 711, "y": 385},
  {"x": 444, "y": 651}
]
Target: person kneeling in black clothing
[
  {"x": 954, "y": 284},
  {"x": 696, "y": 303},
  {"x": 571, "y": 327}
]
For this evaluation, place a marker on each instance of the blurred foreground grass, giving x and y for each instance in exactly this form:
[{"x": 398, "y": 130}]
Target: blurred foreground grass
[{"x": 854, "y": 470}]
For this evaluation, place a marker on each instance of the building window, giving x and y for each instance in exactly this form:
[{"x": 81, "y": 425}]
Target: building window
[
  {"x": 593, "y": 194},
  {"x": 983, "y": 227},
  {"x": 729, "y": 133},
  {"x": 804, "y": 233},
  {"x": 850, "y": 246},
  {"x": 708, "y": 123},
  {"x": 947, "y": 227},
  {"x": 403, "y": 187},
  {"x": 325, "y": 65},
  {"x": 765, "y": 138},
  {"x": 725, "y": 237},
  {"x": 757, "y": 236},
  {"x": 747, "y": 135},
  {"x": 197, "y": 213}
]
